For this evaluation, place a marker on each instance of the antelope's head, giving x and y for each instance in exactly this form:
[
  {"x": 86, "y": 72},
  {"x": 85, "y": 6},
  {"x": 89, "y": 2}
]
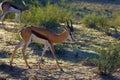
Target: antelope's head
[{"x": 70, "y": 30}]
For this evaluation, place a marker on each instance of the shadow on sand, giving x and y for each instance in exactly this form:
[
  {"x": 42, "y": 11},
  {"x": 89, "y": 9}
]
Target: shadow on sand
[
  {"x": 14, "y": 72},
  {"x": 70, "y": 56},
  {"x": 109, "y": 77}
]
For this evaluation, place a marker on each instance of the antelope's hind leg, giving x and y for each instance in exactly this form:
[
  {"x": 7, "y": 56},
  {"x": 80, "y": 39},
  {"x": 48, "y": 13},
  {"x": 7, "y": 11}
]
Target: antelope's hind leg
[
  {"x": 14, "y": 52},
  {"x": 26, "y": 43},
  {"x": 41, "y": 60}
]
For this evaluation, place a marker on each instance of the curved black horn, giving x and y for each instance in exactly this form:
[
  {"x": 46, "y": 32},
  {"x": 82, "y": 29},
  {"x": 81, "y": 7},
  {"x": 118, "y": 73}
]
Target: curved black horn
[
  {"x": 71, "y": 27},
  {"x": 67, "y": 22},
  {"x": 71, "y": 22}
]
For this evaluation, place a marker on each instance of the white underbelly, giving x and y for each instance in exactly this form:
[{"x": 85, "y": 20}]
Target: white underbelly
[
  {"x": 12, "y": 9},
  {"x": 37, "y": 39}
]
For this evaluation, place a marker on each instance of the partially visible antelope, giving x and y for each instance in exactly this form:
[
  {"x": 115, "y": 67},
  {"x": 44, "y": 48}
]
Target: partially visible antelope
[
  {"x": 43, "y": 36},
  {"x": 8, "y": 6}
]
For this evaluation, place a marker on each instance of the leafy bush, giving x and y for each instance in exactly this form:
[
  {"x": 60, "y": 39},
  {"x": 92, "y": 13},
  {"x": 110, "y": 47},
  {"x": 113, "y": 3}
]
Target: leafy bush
[
  {"x": 49, "y": 16},
  {"x": 102, "y": 22},
  {"x": 90, "y": 20},
  {"x": 115, "y": 21},
  {"x": 109, "y": 60},
  {"x": 96, "y": 20}
]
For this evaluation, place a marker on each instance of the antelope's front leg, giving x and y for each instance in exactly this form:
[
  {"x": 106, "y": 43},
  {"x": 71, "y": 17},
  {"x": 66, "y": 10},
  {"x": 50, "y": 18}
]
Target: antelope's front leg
[
  {"x": 54, "y": 54},
  {"x": 2, "y": 16}
]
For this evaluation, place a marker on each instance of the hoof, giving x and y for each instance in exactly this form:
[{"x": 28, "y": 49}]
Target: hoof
[
  {"x": 42, "y": 61},
  {"x": 29, "y": 67},
  {"x": 11, "y": 68},
  {"x": 39, "y": 67},
  {"x": 61, "y": 70},
  {"x": 10, "y": 63}
]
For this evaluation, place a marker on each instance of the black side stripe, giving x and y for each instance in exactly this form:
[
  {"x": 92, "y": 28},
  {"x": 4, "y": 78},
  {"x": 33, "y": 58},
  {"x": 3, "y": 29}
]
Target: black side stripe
[
  {"x": 16, "y": 7},
  {"x": 40, "y": 35}
]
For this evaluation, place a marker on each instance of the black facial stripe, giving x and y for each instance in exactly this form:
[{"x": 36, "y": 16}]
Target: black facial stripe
[
  {"x": 71, "y": 36},
  {"x": 71, "y": 28}
]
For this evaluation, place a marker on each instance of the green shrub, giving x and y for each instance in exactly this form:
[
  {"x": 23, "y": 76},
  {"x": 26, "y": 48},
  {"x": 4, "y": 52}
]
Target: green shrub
[
  {"x": 96, "y": 20},
  {"x": 115, "y": 21},
  {"x": 102, "y": 22},
  {"x": 109, "y": 60},
  {"x": 48, "y": 16},
  {"x": 90, "y": 20}
]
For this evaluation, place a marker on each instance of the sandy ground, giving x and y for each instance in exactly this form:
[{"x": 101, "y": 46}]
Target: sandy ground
[{"x": 72, "y": 70}]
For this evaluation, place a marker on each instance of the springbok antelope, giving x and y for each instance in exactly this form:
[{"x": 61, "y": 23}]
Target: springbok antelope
[
  {"x": 8, "y": 6},
  {"x": 43, "y": 36}
]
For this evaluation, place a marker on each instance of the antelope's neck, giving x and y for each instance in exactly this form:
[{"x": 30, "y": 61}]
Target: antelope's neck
[{"x": 60, "y": 37}]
